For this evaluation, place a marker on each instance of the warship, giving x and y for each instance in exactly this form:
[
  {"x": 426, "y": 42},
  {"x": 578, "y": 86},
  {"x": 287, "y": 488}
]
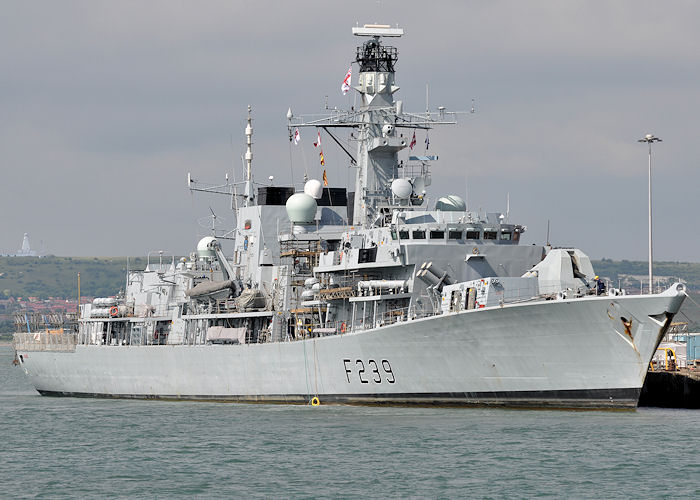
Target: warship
[{"x": 370, "y": 294}]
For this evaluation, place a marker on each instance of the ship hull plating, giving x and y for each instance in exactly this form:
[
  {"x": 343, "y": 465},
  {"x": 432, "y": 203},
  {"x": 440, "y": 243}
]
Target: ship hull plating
[{"x": 563, "y": 354}]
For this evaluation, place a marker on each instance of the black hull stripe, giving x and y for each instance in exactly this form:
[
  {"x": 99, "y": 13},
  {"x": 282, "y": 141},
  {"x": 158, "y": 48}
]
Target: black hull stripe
[{"x": 565, "y": 399}]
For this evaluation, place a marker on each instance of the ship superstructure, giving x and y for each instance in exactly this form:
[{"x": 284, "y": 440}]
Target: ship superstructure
[{"x": 374, "y": 295}]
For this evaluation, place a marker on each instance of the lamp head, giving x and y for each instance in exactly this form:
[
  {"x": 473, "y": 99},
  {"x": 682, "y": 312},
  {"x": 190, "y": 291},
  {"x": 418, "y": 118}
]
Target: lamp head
[{"x": 649, "y": 138}]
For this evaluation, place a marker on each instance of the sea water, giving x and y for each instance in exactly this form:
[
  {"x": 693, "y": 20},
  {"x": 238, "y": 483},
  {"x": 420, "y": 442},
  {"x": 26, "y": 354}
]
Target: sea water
[{"x": 77, "y": 448}]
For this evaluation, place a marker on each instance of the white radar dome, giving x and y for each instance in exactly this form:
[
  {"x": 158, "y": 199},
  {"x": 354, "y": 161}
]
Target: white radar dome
[
  {"x": 205, "y": 247},
  {"x": 313, "y": 188},
  {"x": 451, "y": 203},
  {"x": 401, "y": 188},
  {"x": 301, "y": 208}
]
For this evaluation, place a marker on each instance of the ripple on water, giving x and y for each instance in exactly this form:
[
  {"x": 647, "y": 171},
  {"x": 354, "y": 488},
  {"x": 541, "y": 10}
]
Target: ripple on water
[{"x": 68, "y": 448}]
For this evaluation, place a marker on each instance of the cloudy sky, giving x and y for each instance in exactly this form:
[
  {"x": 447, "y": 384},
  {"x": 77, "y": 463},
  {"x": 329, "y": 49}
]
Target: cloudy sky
[{"x": 106, "y": 106}]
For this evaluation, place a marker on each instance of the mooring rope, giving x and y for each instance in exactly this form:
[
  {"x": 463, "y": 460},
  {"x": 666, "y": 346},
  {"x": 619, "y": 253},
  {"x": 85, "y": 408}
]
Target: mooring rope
[{"x": 306, "y": 373}]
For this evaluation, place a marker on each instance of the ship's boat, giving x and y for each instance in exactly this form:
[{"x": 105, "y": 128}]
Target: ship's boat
[{"x": 371, "y": 295}]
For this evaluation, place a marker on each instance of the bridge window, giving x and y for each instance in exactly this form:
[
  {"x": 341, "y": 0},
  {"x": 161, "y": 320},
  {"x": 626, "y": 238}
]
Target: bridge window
[
  {"x": 419, "y": 234},
  {"x": 437, "y": 235},
  {"x": 453, "y": 234},
  {"x": 367, "y": 255},
  {"x": 505, "y": 235},
  {"x": 490, "y": 234},
  {"x": 403, "y": 234},
  {"x": 472, "y": 234}
]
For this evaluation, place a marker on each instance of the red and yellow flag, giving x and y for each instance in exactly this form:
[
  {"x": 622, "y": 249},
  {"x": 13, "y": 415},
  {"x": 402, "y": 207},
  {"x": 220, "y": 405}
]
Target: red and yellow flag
[{"x": 317, "y": 144}]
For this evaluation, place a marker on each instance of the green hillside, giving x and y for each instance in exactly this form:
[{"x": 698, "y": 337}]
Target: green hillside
[
  {"x": 57, "y": 277},
  {"x": 51, "y": 276},
  {"x": 688, "y": 271}
]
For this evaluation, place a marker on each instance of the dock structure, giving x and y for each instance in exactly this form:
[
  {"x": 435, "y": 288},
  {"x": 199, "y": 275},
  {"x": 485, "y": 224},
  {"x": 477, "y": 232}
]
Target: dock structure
[{"x": 671, "y": 389}]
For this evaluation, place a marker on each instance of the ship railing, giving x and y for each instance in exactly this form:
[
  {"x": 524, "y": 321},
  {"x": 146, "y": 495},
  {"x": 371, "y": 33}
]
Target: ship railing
[
  {"x": 550, "y": 289},
  {"x": 354, "y": 281},
  {"x": 390, "y": 317},
  {"x": 223, "y": 306},
  {"x": 317, "y": 329},
  {"x": 512, "y": 295},
  {"x": 36, "y": 321},
  {"x": 344, "y": 287},
  {"x": 162, "y": 310},
  {"x": 45, "y": 341},
  {"x": 417, "y": 169},
  {"x": 456, "y": 301},
  {"x": 151, "y": 311},
  {"x": 340, "y": 327},
  {"x": 544, "y": 291},
  {"x": 339, "y": 282},
  {"x": 251, "y": 339}
]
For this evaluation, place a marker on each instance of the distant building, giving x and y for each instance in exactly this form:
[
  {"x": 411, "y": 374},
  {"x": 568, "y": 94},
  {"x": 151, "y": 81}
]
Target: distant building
[{"x": 26, "y": 250}]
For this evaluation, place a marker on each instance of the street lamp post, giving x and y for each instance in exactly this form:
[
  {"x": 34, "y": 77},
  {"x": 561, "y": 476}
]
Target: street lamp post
[{"x": 650, "y": 139}]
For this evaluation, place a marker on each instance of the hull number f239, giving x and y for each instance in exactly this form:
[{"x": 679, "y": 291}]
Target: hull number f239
[{"x": 370, "y": 371}]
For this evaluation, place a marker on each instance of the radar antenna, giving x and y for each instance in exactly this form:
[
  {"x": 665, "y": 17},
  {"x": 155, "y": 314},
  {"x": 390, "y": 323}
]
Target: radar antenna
[{"x": 212, "y": 222}]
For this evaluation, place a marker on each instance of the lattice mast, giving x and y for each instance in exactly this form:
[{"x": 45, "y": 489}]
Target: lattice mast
[{"x": 378, "y": 144}]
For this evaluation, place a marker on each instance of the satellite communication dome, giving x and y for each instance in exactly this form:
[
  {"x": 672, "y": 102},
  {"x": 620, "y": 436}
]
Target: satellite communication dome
[
  {"x": 205, "y": 247},
  {"x": 313, "y": 188},
  {"x": 401, "y": 188},
  {"x": 301, "y": 208},
  {"x": 451, "y": 203}
]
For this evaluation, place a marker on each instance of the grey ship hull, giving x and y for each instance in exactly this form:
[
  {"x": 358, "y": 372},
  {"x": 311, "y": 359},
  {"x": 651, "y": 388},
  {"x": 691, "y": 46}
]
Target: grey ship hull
[{"x": 565, "y": 354}]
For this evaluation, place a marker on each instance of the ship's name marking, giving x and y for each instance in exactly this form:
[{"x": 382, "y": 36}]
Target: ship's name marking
[{"x": 370, "y": 372}]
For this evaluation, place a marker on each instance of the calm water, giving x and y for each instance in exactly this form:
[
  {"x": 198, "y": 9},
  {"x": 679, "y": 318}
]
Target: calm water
[{"x": 56, "y": 447}]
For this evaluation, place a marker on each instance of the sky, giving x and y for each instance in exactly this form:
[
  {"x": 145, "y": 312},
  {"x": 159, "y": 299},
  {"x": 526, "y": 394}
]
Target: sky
[{"x": 106, "y": 107}]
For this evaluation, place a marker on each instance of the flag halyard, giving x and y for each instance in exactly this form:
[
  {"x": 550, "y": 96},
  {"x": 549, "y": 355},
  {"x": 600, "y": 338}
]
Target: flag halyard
[{"x": 317, "y": 144}]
